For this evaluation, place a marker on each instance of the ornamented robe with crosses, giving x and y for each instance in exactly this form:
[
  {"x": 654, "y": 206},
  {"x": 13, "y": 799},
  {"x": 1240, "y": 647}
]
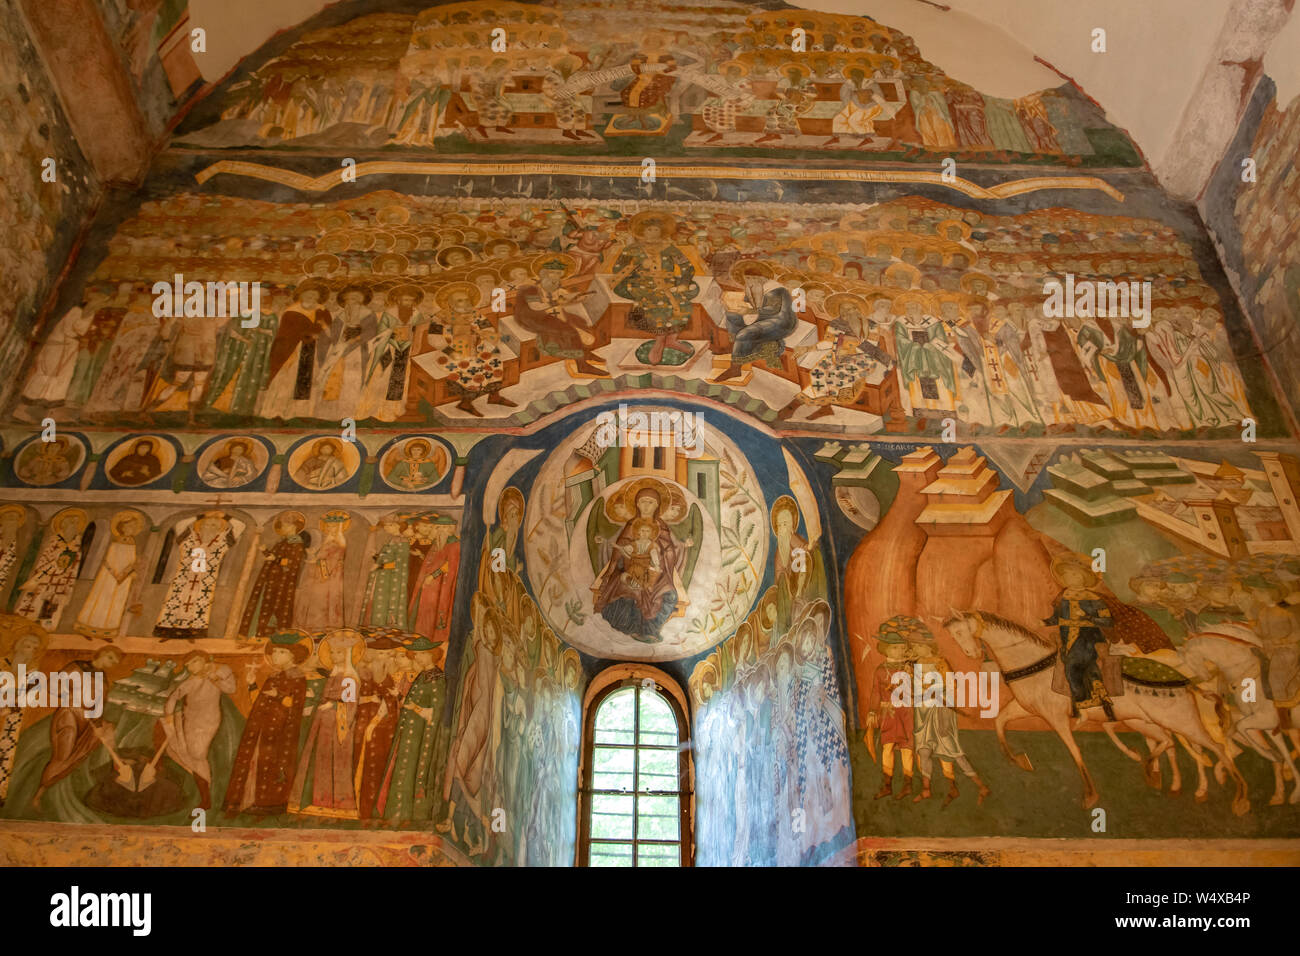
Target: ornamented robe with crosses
[{"x": 189, "y": 596}]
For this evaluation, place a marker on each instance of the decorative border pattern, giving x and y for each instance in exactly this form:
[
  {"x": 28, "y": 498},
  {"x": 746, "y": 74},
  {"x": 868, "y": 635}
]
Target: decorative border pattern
[{"x": 323, "y": 183}]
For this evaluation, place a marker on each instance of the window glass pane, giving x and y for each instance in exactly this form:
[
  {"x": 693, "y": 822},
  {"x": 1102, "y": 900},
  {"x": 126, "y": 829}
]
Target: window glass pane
[
  {"x": 658, "y": 723},
  {"x": 657, "y": 818},
  {"x": 615, "y": 719},
  {"x": 659, "y": 854},
  {"x": 611, "y": 854},
  {"x": 635, "y": 753},
  {"x": 612, "y": 768},
  {"x": 658, "y": 770},
  {"x": 611, "y": 817}
]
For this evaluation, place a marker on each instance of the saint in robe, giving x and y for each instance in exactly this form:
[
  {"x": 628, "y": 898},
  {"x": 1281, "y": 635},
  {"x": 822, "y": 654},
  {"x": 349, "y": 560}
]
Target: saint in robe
[
  {"x": 477, "y": 738},
  {"x": 270, "y": 606},
  {"x": 319, "y": 604},
  {"x": 13, "y": 518},
  {"x": 410, "y": 787},
  {"x": 120, "y": 384},
  {"x": 430, "y": 609},
  {"x": 760, "y": 335},
  {"x": 323, "y": 468},
  {"x": 416, "y": 469},
  {"x": 659, "y": 278},
  {"x": 193, "y": 586},
  {"x": 47, "y": 589},
  {"x": 291, "y": 368},
  {"x": 110, "y": 596},
  {"x": 52, "y": 370},
  {"x": 541, "y": 309},
  {"x": 797, "y": 565},
  {"x": 343, "y": 356},
  {"x": 323, "y": 784},
  {"x": 262, "y": 775},
  {"x": 139, "y": 466},
  {"x": 241, "y": 370},
  {"x": 26, "y": 651},
  {"x": 93, "y": 349},
  {"x": 386, "y": 598},
  {"x": 389, "y": 368},
  {"x": 925, "y": 360},
  {"x": 379, "y": 706},
  {"x": 233, "y": 467}
]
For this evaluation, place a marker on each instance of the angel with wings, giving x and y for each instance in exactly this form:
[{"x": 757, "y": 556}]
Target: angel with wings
[{"x": 646, "y": 567}]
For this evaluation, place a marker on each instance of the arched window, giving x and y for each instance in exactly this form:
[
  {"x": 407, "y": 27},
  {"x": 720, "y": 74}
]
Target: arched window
[{"x": 636, "y": 774}]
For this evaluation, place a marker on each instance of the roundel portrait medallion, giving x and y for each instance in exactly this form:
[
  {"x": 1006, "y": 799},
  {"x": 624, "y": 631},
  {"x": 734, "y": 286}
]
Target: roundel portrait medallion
[{"x": 663, "y": 548}]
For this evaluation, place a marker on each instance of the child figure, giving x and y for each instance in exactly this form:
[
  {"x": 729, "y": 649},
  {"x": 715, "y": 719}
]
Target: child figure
[{"x": 642, "y": 565}]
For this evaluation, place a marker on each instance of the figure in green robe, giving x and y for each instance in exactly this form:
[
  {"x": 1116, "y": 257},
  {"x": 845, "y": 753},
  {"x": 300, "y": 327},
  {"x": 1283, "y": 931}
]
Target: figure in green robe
[
  {"x": 241, "y": 369},
  {"x": 410, "y": 792},
  {"x": 385, "y": 601}
]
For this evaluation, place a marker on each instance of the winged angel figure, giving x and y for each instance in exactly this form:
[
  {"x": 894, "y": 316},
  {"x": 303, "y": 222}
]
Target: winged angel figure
[{"x": 644, "y": 541}]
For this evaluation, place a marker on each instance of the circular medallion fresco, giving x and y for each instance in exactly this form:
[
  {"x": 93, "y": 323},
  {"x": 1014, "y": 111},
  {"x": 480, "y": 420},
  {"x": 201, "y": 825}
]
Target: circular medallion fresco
[
  {"x": 646, "y": 552},
  {"x": 140, "y": 460},
  {"x": 414, "y": 464},
  {"x": 324, "y": 463},
  {"x": 232, "y": 462},
  {"x": 49, "y": 462}
]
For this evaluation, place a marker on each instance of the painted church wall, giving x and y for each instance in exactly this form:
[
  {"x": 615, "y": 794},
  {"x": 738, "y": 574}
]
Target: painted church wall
[
  {"x": 1252, "y": 206},
  {"x": 382, "y": 522},
  {"x": 49, "y": 191}
]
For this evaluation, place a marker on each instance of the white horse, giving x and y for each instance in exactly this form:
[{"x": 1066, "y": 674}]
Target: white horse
[
  {"x": 1026, "y": 661},
  {"x": 1231, "y": 658}
]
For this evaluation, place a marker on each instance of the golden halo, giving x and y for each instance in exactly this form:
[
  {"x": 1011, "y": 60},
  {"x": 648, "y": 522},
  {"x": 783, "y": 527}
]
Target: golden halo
[
  {"x": 511, "y": 493},
  {"x": 13, "y": 628},
  {"x": 121, "y": 517},
  {"x": 546, "y": 258},
  {"x": 1062, "y": 560},
  {"x": 285, "y": 517},
  {"x": 334, "y": 219},
  {"x": 327, "y": 658},
  {"x": 14, "y": 509},
  {"x": 752, "y": 267},
  {"x": 378, "y": 263},
  {"x": 330, "y": 258},
  {"x": 666, "y": 222},
  {"x": 444, "y": 254},
  {"x": 444, "y": 294},
  {"x": 837, "y": 301},
  {"x": 784, "y": 503},
  {"x": 312, "y": 285},
  {"x": 621, "y": 506},
  {"x": 83, "y": 519},
  {"x": 902, "y": 301}
]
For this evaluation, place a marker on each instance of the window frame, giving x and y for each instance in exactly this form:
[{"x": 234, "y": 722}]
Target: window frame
[{"x": 625, "y": 676}]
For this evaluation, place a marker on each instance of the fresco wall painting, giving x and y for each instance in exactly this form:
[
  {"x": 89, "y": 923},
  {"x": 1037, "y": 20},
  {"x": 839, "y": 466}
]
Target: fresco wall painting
[{"x": 349, "y": 569}]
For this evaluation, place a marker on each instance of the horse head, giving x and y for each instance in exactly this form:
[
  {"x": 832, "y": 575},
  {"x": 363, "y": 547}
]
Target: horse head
[{"x": 964, "y": 626}]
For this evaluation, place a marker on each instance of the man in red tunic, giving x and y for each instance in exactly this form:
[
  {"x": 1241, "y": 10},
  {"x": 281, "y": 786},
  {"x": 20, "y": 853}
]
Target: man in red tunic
[{"x": 895, "y": 723}]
